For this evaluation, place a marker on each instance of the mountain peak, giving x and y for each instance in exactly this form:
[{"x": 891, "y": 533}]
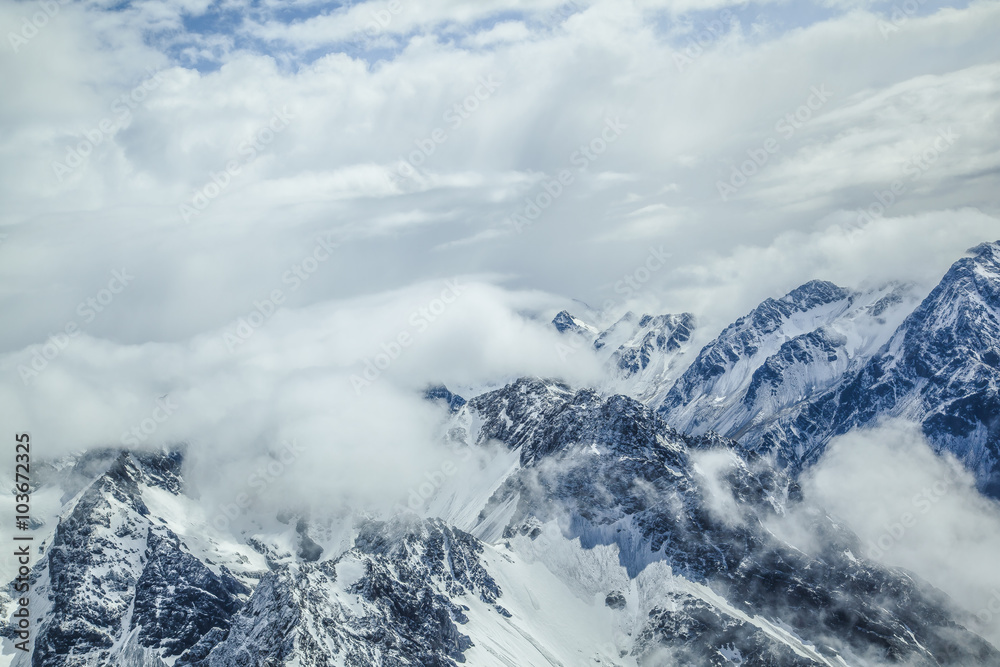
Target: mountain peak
[
  {"x": 988, "y": 250},
  {"x": 814, "y": 293},
  {"x": 940, "y": 368},
  {"x": 972, "y": 284},
  {"x": 565, "y": 321},
  {"x": 443, "y": 394}
]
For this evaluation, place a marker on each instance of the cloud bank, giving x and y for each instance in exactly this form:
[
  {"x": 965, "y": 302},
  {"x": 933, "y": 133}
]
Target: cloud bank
[{"x": 917, "y": 510}]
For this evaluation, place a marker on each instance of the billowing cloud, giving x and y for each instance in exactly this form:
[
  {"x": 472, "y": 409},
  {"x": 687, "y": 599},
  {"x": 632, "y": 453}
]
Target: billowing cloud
[
  {"x": 916, "y": 510},
  {"x": 208, "y": 178},
  {"x": 350, "y": 397}
]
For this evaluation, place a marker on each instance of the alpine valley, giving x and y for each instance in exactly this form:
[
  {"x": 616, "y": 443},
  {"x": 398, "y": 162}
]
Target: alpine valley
[{"x": 624, "y": 524}]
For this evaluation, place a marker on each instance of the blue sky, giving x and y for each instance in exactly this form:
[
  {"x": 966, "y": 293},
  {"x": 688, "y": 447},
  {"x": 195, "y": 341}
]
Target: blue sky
[{"x": 225, "y": 22}]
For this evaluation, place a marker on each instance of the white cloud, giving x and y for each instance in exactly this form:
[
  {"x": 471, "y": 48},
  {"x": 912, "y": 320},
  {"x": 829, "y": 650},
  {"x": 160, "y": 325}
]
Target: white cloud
[
  {"x": 343, "y": 380},
  {"x": 914, "y": 509}
]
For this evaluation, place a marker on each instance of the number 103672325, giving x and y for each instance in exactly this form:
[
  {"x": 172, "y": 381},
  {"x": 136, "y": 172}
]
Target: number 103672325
[{"x": 22, "y": 480}]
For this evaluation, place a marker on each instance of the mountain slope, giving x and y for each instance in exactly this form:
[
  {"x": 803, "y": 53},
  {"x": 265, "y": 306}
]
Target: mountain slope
[
  {"x": 784, "y": 353},
  {"x": 587, "y": 528},
  {"x": 618, "y": 541},
  {"x": 610, "y": 473},
  {"x": 392, "y": 599},
  {"x": 941, "y": 368},
  {"x": 115, "y": 581},
  {"x": 643, "y": 355}
]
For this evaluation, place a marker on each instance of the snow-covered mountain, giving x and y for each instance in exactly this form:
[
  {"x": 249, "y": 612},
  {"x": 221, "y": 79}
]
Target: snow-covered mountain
[
  {"x": 821, "y": 360},
  {"x": 595, "y": 526},
  {"x": 643, "y": 354},
  {"x": 594, "y": 533},
  {"x": 117, "y": 580},
  {"x": 609, "y": 474},
  {"x": 784, "y": 353},
  {"x": 940, "y": 368}
]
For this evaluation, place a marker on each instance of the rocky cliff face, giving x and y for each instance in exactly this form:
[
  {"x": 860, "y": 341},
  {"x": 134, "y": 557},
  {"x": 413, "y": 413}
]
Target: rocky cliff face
[
  {"x": 611, "y": 472},
  {"x": 643, "y": 354},
  {"x": 393, "y": 599},
  {"x": 115, "y": 580},
  {"x": 940, "y": 368},
  {"x": 784, "y": 354}
]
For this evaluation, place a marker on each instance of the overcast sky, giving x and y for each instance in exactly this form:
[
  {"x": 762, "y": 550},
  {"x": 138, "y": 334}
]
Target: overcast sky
[{"x": 177, "y": 162}]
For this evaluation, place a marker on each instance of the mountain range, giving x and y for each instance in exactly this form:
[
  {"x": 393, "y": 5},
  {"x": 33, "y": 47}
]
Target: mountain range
[
  {"x": 799, "y": 370},
  {"x": 633, "y": 523}
]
